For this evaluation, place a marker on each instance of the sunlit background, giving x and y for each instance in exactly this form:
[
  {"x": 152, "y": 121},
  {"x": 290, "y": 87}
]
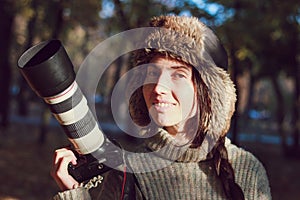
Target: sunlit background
[{"x": 261, "y": 39}]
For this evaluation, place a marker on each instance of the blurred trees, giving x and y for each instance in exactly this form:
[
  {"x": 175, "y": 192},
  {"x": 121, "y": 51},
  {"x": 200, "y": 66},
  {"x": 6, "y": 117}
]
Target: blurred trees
[
  {"x": 262, "y": 39},
  {"x": 7, "y": 13},
  {"x": 43, "y": 20}
]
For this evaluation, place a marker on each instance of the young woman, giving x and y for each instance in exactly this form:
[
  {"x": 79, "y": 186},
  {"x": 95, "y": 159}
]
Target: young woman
[{"x": 185, "y": 105}]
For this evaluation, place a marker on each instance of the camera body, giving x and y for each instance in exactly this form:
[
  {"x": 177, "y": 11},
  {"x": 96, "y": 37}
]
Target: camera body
[{"x": 88, "y": 166}]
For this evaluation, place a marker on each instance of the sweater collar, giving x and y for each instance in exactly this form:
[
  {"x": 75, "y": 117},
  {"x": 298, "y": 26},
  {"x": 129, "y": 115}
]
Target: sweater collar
[{"x": 164, "y": 145}]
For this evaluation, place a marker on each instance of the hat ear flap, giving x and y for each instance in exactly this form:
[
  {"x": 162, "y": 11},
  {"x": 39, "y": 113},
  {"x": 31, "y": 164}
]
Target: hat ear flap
[
  {"x": 218, "y": 54},
  {"x": 138, "y": 108},
  {"x": 215, "y": 49}
]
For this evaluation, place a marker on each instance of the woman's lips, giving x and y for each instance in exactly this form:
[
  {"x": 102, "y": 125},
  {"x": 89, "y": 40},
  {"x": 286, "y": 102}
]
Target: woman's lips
[{"x": 163, "y": 106}]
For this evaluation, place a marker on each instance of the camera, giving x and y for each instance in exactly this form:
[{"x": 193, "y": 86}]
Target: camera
[{"x": 50, "y": 73}]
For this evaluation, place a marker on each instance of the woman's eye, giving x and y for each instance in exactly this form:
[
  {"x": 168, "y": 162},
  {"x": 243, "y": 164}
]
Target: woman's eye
[
  {"x": 152, "y": 74},
  {"x": 179, "y": 75}
]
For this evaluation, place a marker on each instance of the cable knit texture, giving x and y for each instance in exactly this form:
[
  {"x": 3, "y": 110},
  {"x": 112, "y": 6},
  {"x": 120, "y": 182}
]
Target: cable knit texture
[
  {"x": 75, "y": 194},
  {"x": 187, "y": 177}
]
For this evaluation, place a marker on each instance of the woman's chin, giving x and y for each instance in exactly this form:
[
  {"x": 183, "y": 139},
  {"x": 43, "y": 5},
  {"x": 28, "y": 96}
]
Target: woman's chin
[{"x": 164, "y": 123}]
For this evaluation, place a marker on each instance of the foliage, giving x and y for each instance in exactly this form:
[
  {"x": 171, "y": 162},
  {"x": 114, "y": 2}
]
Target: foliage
[
  {"x": 260, "y": 30},
  {"x": 261, "y": 37}
]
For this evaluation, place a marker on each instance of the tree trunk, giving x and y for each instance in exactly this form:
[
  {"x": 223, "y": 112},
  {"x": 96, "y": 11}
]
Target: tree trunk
[
  {"x": 235, "y": 117},
  {"x": 6, "y": 22},
  {"x": 296, "y": 100},
  {"x": 280, "y": 112},
  {"x": 249, "y": 102},
  {"x": 23, "y": 96},
  {"x": 122, "y": 19},
  {"x": 57, "y": 28},
  {"x": 295, "y": 110}
]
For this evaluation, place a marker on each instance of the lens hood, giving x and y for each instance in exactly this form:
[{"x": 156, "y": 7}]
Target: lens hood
[{"x": 47, "y": 68}]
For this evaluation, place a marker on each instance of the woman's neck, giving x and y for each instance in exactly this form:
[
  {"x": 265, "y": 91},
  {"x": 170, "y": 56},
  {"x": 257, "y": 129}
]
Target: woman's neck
[{"x": 180, "y": 136}]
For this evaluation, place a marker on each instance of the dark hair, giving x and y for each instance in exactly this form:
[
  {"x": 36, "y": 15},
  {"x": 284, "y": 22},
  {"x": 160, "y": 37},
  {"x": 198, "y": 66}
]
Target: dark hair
[{"x": 225, "y": 171}]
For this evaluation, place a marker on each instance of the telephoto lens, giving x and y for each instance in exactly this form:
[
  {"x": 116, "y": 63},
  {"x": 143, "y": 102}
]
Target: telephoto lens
[{"x": 50, "y": 73}]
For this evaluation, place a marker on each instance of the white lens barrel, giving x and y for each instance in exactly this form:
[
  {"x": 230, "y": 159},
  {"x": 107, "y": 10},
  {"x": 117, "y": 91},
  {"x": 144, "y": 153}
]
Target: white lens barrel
[{"x": 71, "y": 110}]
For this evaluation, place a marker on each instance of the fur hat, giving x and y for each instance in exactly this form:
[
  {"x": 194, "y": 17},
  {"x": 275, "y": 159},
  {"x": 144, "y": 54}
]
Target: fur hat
[{"x": 189, "y": 40}]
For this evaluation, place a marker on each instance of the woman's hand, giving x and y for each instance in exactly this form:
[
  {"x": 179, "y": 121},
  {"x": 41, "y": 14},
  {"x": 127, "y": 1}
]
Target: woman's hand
[{"x": 61, "y": 159}]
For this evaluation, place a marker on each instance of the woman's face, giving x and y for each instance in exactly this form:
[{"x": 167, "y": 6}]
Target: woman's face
[{"x": 169, "y": 93}]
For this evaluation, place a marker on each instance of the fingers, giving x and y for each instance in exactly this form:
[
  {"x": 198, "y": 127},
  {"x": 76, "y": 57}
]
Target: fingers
[
  {"x": 61, "y": 159},
  {"x": 64, "y": 152}
]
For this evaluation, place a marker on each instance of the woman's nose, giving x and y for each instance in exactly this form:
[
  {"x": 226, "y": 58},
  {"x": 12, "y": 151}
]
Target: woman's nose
[{"x": 162, "y": 85}]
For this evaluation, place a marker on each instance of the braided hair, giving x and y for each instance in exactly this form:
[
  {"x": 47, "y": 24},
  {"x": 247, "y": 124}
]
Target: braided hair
[
  {"x": 219, "y": 153},
  {"x": 225, "y": 171}
]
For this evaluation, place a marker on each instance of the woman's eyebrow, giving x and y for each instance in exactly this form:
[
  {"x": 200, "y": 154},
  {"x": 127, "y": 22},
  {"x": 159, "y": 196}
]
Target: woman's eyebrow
[
  {"x": 172, "y": 67},
  {"x": 179, "y": 66},
  {"x": 182, "y": 67}
]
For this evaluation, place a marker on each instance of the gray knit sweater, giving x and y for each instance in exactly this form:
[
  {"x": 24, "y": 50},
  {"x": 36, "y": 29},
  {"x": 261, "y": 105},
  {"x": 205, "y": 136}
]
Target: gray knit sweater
[{"x": 170, "y": 174}]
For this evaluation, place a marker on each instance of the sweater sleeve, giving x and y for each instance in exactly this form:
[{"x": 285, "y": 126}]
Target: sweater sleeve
[
  {"x": 250, "y": 174},
  {"x": 109, "y": 189},
  {"x": 262, "y": 184},
  {"x": 78, "y": 193}
]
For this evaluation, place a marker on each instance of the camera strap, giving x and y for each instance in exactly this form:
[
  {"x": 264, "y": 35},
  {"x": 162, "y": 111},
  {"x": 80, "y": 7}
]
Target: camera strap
[
  {"x": 92, "y": 183},
  {"x": 131, "y": 181}
]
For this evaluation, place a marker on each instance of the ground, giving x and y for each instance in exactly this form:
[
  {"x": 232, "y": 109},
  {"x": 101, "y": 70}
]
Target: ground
[{"x": 25, "y": 164}]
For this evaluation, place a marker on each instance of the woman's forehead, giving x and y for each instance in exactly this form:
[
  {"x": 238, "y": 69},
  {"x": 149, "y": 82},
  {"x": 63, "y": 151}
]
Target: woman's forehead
[{"x": 165, "y": 59}]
